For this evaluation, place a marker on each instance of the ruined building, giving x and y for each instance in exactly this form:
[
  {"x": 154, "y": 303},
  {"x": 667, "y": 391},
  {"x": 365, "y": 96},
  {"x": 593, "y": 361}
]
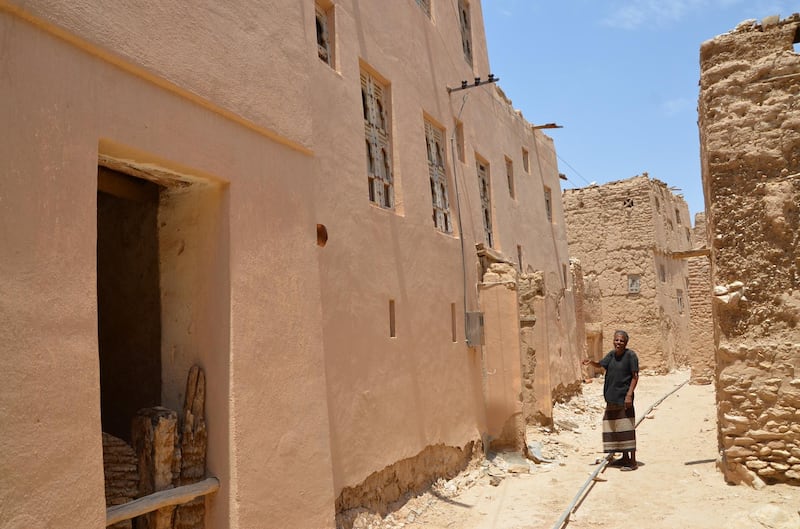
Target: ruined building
[
  {"x": 360, "y": 245},
  {"x": 749, "y": 120},
  {"x": 629, "y": 236},
  {"x": 701, "y": 328}
]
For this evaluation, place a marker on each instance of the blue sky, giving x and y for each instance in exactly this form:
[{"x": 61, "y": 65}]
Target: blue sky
[{"x": 621, "y": 77}]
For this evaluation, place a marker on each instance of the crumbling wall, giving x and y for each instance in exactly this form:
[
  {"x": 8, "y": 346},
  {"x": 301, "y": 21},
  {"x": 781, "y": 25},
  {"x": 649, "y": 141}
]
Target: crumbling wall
[
  {"x": 384, "y": 488},
  {"x": 631, "y": 228},
  {"x": 530, "y": 288},
  {"x": 701, "y": 328},
  {"x": 749, "y": 121},
  {"x": 502, "y": 365}
]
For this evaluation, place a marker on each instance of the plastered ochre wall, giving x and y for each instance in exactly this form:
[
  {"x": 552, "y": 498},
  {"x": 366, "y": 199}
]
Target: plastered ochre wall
[
  {"x": 307, "y": 392},
  {"x": 254, "y": 321},
  {"x": 420, "y": 388}
]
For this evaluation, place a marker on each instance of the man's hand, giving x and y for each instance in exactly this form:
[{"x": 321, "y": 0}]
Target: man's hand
[{"x": 628, "y": 401}]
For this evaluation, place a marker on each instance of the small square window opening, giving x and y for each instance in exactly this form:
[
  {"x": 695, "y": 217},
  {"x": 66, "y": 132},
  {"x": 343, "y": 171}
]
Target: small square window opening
[
  {"x": 460, "y": 141},
  {"x": 510, "y": 177},
  {"x": 548, "y": 204},
  {"x": 634, "y": 283},
  {"x": 324, "y": 25},
  {"x": 486, "y": 199},
  {"x": 466, "y": 29}
]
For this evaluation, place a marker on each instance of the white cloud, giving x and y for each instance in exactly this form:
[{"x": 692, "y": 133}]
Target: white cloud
[{"x": 633, "y": 14}]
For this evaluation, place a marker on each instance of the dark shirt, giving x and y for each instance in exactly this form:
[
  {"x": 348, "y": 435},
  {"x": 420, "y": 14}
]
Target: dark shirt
[{"x": 619, "y": 374}]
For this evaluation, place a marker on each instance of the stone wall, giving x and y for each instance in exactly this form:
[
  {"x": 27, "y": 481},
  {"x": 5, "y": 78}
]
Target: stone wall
[
  {"x": 749, "y": 121},
  {"x": 701, "y": 329},
  {"x": 633, "y": 227}
]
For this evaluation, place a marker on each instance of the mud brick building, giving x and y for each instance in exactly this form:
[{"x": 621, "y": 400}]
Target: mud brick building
[
  {"x": 628, "y": 236},
  {"x": 749, "y": 120},
  {"x": 701, "y": 328},
  {"x": 280, "y": 194}
]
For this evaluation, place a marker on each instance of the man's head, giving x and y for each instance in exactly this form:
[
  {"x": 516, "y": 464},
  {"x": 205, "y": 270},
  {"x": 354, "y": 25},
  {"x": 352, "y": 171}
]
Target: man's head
[{"x": 620, "y": 340}]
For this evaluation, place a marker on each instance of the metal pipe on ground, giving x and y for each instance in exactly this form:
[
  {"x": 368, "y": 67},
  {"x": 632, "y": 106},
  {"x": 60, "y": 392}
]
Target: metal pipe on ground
[{"x": 570, "y": 509}]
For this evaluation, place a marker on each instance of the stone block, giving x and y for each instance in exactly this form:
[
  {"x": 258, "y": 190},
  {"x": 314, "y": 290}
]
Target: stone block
[
  {"x": 736, "y": 419},
  {"x": 766, "y": 435},
  {"x": 767, "y": 472},
  {"x": 782, "y": 454},
  {"x": 737, "y": 452},
  {"x": 756, "y": 465}
]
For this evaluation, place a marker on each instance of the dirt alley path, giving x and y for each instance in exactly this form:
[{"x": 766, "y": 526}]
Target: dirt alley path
[{"x": 676, "y": 486}]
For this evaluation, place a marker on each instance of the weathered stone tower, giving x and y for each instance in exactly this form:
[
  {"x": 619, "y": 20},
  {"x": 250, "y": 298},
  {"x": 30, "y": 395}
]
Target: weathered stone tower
[
  {"x": 628, "y": 236},
  {"x": 749, "y": 119}
]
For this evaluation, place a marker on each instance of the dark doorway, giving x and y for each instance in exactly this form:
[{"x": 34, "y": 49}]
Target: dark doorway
[{"x": 128, "y": 298}]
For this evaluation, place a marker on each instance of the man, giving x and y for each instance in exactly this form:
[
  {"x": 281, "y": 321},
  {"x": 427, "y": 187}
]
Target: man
[{"x": 619, "y": 419}]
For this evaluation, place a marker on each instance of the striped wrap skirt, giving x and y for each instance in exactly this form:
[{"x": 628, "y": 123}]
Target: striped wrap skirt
[{"x": 619, "y": 428}]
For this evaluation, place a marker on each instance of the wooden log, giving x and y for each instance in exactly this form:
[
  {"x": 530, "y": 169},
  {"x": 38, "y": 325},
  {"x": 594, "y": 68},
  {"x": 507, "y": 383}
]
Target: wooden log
[
  {"x": 161, "y": 499},
  {"x": 194, "y": 441},
  {"x": 154, "y": 433}
]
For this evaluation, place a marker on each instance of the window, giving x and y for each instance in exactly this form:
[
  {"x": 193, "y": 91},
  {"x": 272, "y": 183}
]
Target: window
[
  {"x": 378, "y": 140},
  {"x": 628, "y": 202},
  {"x": 677, "y": 216},
  {"x": 392, "y": 320},
  {"x": 634, "y": 283},
  {"x": 519, "y": 257},
  {"x": 679, "y": 298},
  {"x": 526, "y": 161},
  {"x": 548, "y": 204},
  {"x": 425, "y": 5},
  {"x": 510, "y": 177},
  {"x": 486, "y": 200},
  {"x": 662, "y": 273},
  {"x": 434, "y": 140},
  {"x": 460, "y": 141},
  {"x": 324, "y": 22},
  {"x": 466, "y": 29},
  {"x": 688, "y": 235}
]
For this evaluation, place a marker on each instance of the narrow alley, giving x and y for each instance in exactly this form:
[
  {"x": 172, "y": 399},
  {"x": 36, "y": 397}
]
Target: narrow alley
[{"x": 676, "y": 485}]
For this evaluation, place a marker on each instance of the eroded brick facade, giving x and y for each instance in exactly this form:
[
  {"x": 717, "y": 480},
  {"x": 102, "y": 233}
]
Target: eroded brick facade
[
  {"x": 625, "y": 235},
  {"x": 749, "y": 120}
]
